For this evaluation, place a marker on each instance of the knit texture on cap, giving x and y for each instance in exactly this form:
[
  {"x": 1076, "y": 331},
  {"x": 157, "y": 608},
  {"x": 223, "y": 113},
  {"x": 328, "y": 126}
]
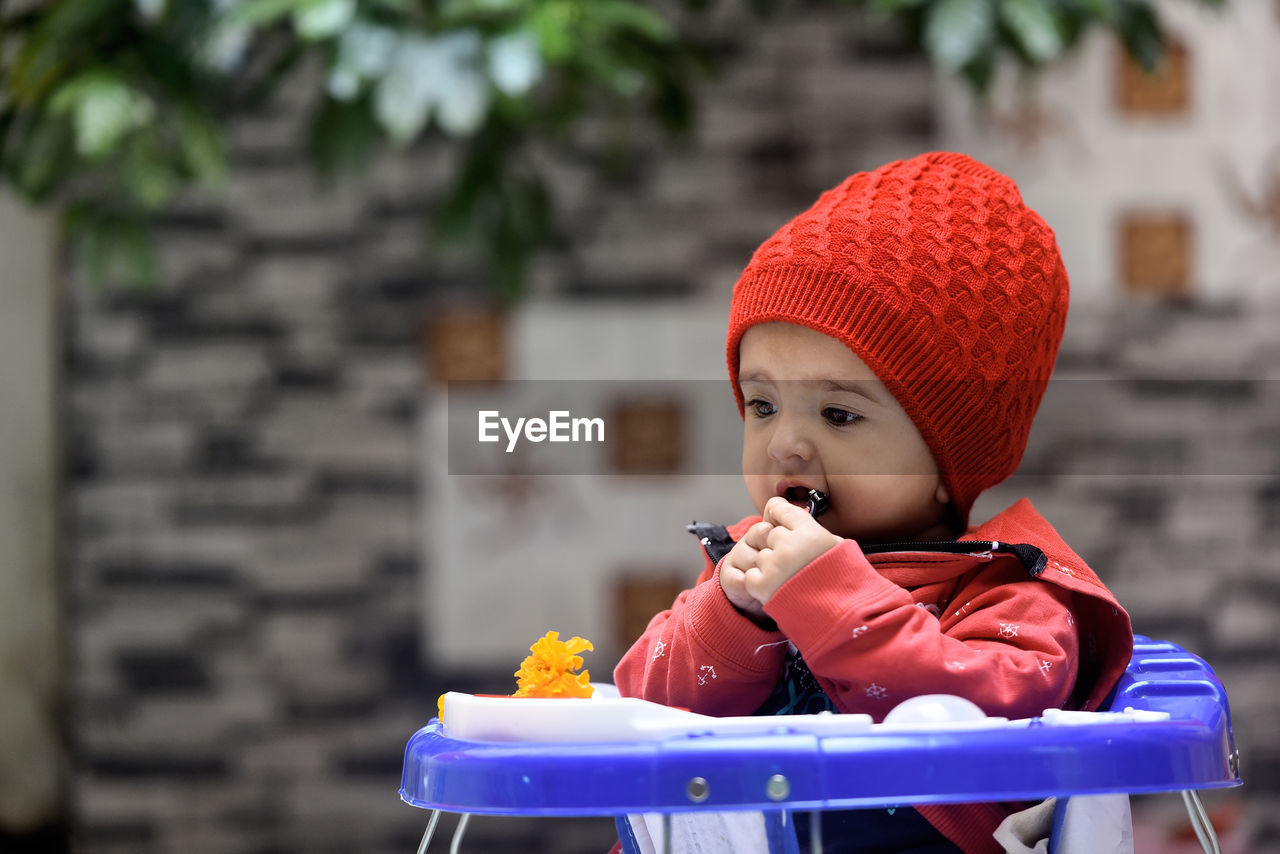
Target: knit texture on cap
[{"x": 934, "y": 272}]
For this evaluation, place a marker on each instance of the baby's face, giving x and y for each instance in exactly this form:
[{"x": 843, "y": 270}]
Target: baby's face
[{"x": 818, "y": 418}]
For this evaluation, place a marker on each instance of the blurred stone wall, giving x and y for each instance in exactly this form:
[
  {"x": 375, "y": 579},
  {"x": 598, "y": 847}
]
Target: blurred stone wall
[
  {"x": 242, "y": 504},
  {"x": 243, "y": 507}
]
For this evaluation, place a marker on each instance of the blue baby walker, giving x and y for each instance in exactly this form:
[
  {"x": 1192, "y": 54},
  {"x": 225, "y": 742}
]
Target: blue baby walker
[{"x": 1167, "y": 728}]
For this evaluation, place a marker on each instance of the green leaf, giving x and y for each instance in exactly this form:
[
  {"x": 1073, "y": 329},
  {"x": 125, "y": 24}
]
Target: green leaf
[
  {"x": 1104, "y": 10},
  {"x": 521, "y": 223},
  {"x": 113, "y": 247},
  {"x": 622, "y": 80},
  {"x": 1140, "y": 31},
  {"x": 470, "y": 10},
  {"x": 202, "y": 146},
  {"x": 893, "y": 7},
  {"x": 65, "y": 33},
  {"x": 625, "y": 15},
  {"x": 1032, "y": 22},
  {"x": 979, "y": 72},
  {"x": 955, "y": 31},
  {"x": 342, "y": 137},
  {"x": 323, "y": 19},
  {"x": 43, "y": 156},
  {"x": 151, "y": 11},
  {"x": 147, "y": 175},
  {"x": 552, "y": 23},
  {"x": 258, "y": 13},
  {"x": 7, "y": 122},
  {"x": 673, "y": 106},
  {"x": 763, "y": 9},
  {"x": 103, "y": 108}
]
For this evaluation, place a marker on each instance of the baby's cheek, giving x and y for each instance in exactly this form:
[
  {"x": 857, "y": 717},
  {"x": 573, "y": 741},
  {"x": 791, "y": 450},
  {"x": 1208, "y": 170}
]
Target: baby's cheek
[{"x": 758, "y": 489}]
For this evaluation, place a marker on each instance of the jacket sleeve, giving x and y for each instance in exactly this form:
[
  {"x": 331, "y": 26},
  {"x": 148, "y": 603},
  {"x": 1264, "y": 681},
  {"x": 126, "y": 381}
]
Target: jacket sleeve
[
  {"x": 1003, "y": 639},
  {"x": 703, "y": 655}
]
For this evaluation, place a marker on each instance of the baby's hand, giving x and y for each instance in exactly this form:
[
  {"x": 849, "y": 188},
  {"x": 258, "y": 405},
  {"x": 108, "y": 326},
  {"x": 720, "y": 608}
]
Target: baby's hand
[
  {"x": 787, "y": 541},
  {"x": 733, "y": 572}
]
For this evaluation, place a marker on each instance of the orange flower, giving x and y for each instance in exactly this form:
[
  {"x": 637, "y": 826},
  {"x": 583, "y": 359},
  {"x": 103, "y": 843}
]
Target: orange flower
[{"x": 549, "y": 670}]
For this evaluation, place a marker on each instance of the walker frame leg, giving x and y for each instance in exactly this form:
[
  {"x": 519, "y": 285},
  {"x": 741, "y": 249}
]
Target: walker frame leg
[
  {"x": 458, "y": 831},
  {"x": 1200, "y": 822},
  {"x": 430, "y": 832}
]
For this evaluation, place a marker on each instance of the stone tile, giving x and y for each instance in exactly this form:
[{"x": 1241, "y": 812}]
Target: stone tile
[
  {"x": 138, "y": 806},
  {"x": 212, "y": 369},
  {"x": 377, "y": 380},
  {"x": 303, "y": 562},
  {"x": 246, "y": 499},
  {"x": 1159, "y": 582},
  {"x": 1214, "y": 509},
  {"x": 184, "y": 256},
  {"x": 158, "y": 617},
  {"x": 316, "y": 430},
  {"x": 284, "y": 205},
  {"x": 108, "y": 337},
  {"x": 121, "y": 504},
  {"x": 1251, "y": 688},
  {"x": 301, "y": 288},
  {"x": 1244, "y": 622},
  {"x": 410, "y": 181},
  {"x": 129, "y": 450}
]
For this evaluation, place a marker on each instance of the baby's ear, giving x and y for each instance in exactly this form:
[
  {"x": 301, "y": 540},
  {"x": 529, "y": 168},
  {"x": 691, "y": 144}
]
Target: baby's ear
[{"x": 941, "y": 494}]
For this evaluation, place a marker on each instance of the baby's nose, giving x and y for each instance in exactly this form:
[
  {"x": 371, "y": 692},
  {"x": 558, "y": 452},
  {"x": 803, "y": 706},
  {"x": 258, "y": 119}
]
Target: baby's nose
[{"x": 790, "y": 442}]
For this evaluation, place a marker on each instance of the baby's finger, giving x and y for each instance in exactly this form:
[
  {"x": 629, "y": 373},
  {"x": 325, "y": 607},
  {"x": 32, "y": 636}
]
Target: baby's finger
[
  {"x": 757, "y": 536},
  {"x": 733, "y": 583},
  {"x": 742, "y": 556},
  {"x": 780, "y": 512},
  {"x": 731, "y": 577},
  {"x": 758, "y": 584}
]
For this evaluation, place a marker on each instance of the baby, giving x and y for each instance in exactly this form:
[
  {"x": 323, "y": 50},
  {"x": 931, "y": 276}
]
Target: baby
[{"x": 888, "y": 349}]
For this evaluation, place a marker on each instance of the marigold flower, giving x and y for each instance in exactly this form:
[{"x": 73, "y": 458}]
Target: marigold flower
[{"x": 549, "y": 671}]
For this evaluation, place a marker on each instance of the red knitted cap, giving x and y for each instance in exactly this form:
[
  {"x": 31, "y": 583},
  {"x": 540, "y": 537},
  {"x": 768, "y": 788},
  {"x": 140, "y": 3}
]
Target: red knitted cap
[{"x": 934, "y": 272}]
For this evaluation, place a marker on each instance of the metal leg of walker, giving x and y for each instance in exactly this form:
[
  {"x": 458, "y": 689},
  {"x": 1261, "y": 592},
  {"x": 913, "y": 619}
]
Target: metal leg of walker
[
  {"x": 430, "y": 832},
  {"x": 1200, "y": 822},
  {"x": 815, "y": 832},
  {"x": 668, "y": 844},
  {"x": 457, "y": 833}
]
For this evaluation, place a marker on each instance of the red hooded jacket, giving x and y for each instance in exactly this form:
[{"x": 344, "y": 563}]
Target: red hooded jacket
[{"x": 1015, "y": 622}]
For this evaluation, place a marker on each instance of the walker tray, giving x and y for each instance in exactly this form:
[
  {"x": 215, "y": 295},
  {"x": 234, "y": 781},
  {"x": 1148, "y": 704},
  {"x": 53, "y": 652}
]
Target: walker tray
[{"x": 1168, "y": 728}]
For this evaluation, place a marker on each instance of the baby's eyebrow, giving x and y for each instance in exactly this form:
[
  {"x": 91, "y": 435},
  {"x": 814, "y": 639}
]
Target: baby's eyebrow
[
  {"x": 863, "y": 389},
  {"x": 858, "y": 387}
]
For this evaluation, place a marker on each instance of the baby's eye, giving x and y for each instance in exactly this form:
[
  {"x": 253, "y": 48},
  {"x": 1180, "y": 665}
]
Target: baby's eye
[
  {"x": 761, "y": 408},
  {"x": 840, "y": 417}
]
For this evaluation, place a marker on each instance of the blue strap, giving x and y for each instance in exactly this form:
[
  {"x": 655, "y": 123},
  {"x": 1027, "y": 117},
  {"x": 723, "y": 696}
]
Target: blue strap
[{"x": 626, "y": 835}]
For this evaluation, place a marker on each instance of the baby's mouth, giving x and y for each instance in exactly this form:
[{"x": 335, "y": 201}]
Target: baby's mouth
[
  {"x": 813, "y": 500},
  {"x": 797, "y": 495}
]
